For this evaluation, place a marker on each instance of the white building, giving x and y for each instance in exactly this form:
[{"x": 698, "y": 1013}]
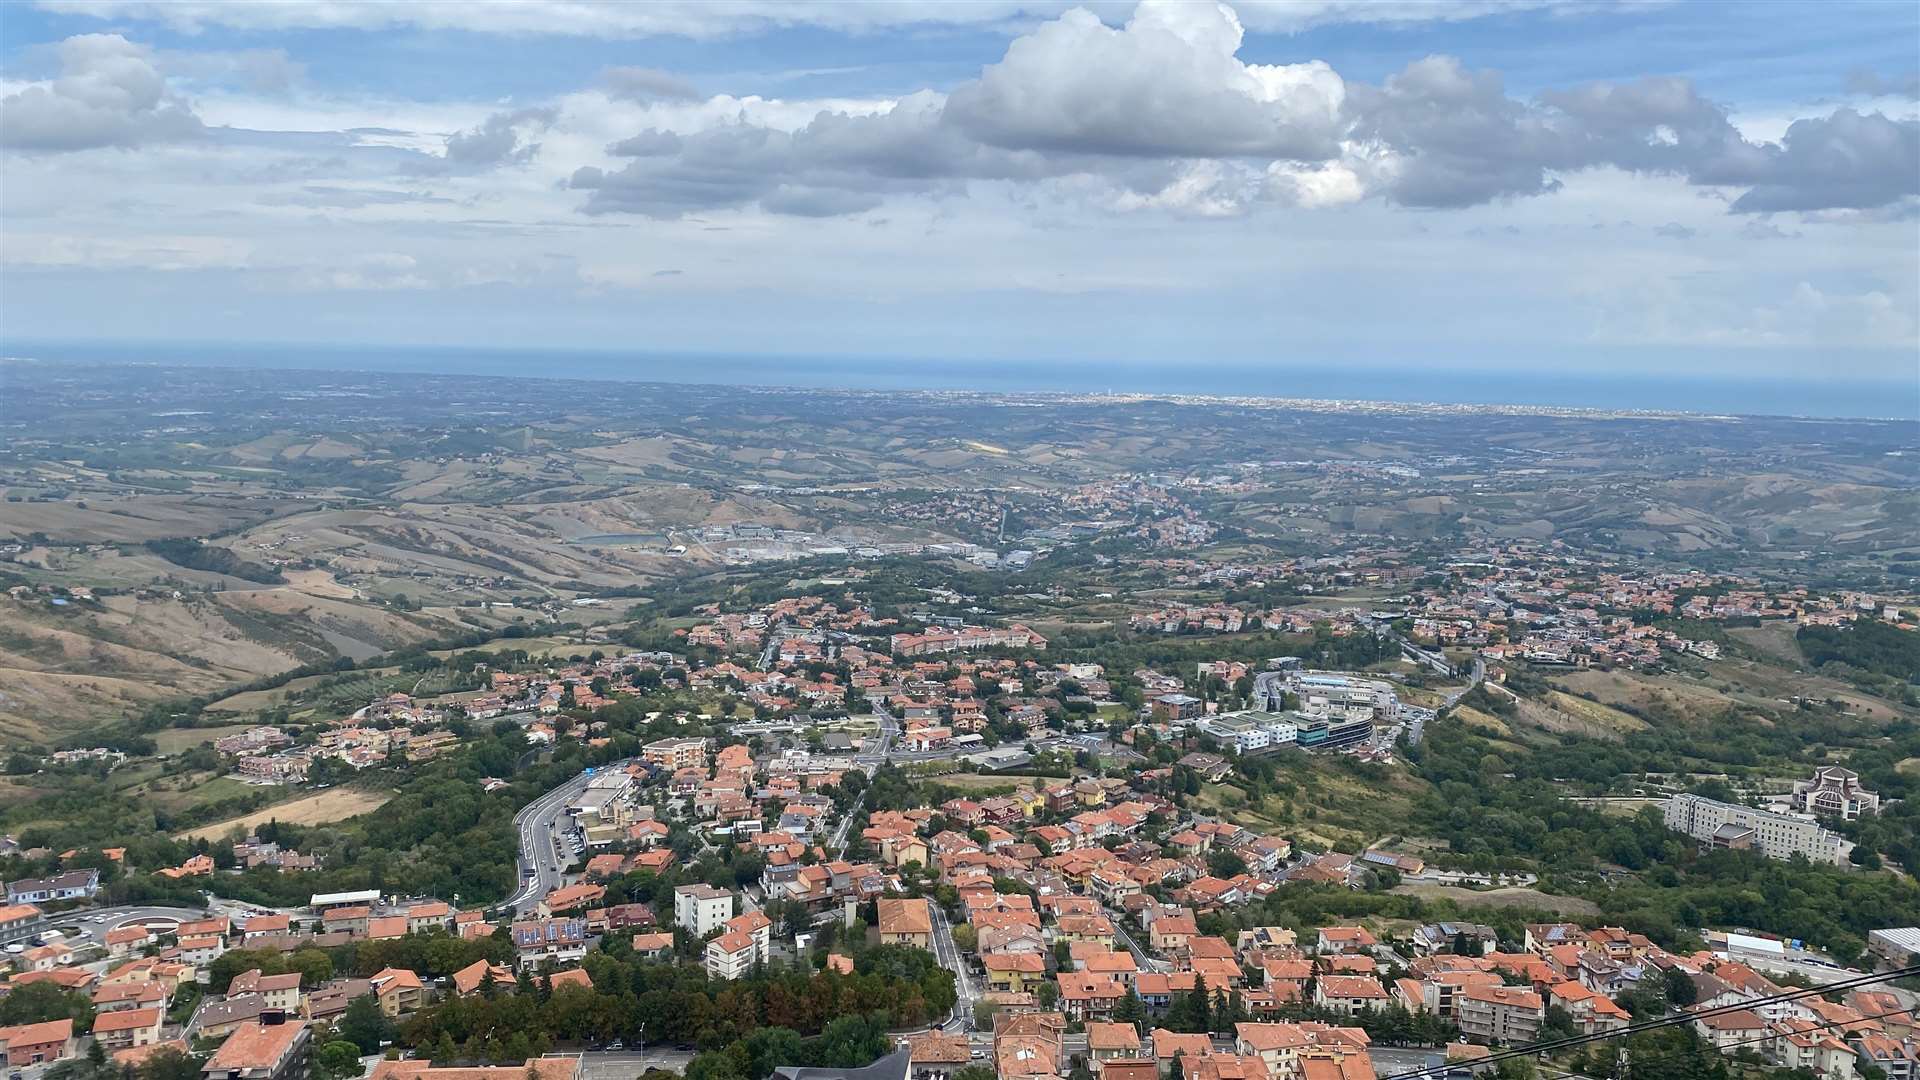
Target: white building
[
  {"x": 1777, "y": 836},
  {"x": 1252, "y": 730},
  {"x": 730, "y": 955},
  {"x": 1835, "y": 792},
  {"x": 1330, "y": 696},
  {"x": 701, "y": 908}
]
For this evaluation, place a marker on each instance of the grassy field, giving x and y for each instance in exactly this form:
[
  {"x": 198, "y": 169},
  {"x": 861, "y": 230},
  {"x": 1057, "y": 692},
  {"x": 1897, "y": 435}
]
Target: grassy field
[
  {"x": 1326, "y": 806},
  {"x": 336, "y": 804},
  {"x": 535, "y": 646},
  {"x": 1571, "y": 906},
  {"x": 1686, "y": 700},
  {"x": 1772, "y": 639},
  {"x": 1488, "y": 722},
  {"x": 1591, "y": 712},
  {"x": 211, "y": 788},
  {"x": 983, "y": 782}
]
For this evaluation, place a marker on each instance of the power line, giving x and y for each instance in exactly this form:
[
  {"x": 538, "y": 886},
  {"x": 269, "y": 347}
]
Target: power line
[
  {"x": 1723, "y": 1047},
  {"x": 1652, "y": 1025}
]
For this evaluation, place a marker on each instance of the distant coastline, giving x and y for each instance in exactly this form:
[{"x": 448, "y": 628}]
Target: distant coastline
[{"x": 1323, "y": 385}]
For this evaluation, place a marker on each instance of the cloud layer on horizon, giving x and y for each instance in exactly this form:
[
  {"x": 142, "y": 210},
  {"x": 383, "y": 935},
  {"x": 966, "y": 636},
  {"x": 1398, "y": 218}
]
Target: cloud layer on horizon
[{"x": 1141, "y": 126}]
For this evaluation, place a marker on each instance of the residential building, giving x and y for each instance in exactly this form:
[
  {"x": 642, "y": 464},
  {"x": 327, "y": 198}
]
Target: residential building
[
  {"x": 1508, "y": 1015},
  {"x": 731, "y": 955},
  {"x": 558, "y": 1067},
  {"x": 1171, "y": 708},
  {"x": 938, "y": 1055},
  {"x": 701, "y": 908},
  {"x": 34, "y": 1044},
  {"x": 1107, "y": 1041},
  {"x": 758, "y": 929},
  {"x": 128, "y": 1028},
  {"x": 1726, "y": 1030},
  {"x": 276, "y": 991},
  {"x": 271, "y": 1049},
  {"x": 1895, "y": 1059},
  {"x": 72, "y": 885},
  {"x": 561, "y": 939},
  {"x": 1350, "y": 994},
  {"x": 905, "y": 922},
  {"x": 675, "y": 753},
  {"x": 1276, "y": 1045},
  {"x": 399, "y": 991},
  {"x": 1014, "y": 972},
  {"x": 20, "y": 922}
]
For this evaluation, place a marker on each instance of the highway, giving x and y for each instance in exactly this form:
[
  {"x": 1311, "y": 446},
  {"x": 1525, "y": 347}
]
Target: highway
[{"x": 539, "y": 824}]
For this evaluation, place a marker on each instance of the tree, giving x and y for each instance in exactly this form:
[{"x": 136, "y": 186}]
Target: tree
[
  {"x": 40, "y": 1001},
  {"x": 1047, "y": 995},
  {"x": 1226, "y": 864},
  {"x": 169, "y": 1064},
  {"x": 1680, "y": 988},
  {"x": 1227, "y": 1011},
  {"x": 97, "y": 1052},
  {"x": 1190, "y": 1013},
  {"x": 972, "y": 1072},
  {"x": 336, "y": 1059},
  {"x": 1131, "y": 1011},
  {"x": 364, "y": 1025}
]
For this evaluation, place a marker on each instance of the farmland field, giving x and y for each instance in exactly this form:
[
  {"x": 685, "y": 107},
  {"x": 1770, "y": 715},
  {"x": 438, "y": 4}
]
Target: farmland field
[{"x": 336, "y": 804}]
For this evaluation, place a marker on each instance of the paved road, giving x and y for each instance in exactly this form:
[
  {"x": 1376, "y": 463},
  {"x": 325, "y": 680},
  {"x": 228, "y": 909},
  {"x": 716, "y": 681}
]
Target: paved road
[
  {"x": 1391, "y": 1061},
  {"x": 105, "y": 919},
  {"x": 1140, "y": 957},
  {"x": 869, "y": 762},
  {"x": 945, "y": 951},
  {"x": 539, "y": 823},
  {"x": 627, "y": 1064}
]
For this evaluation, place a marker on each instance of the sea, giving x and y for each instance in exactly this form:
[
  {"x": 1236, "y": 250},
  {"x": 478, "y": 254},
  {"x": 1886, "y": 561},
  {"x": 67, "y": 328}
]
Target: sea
[{"x": 1749, "y": 396}]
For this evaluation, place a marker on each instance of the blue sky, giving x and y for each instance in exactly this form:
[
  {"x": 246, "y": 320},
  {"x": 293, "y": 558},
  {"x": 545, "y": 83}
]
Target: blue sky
[{"x": 1457, "y": 184}]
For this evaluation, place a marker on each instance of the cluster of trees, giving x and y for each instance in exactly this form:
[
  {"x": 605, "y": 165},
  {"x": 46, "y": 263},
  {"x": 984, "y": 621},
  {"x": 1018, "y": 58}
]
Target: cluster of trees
[
  {"x": 636, "y": 999},
  {"x": 433, "y": 954},
  {"x": 214, "y": 559},
  {"x": 846, "y": 1042},
  {"x": 168, "y": 1064},
  {"x": 1494, "y": 801},
  {"x": 39, "y": 1002},
  {"x": 1866, "y": 647}
]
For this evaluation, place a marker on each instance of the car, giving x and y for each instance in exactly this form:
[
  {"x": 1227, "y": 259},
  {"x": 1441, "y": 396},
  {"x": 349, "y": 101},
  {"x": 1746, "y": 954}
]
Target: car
[{"x": 617, "y": 1044}]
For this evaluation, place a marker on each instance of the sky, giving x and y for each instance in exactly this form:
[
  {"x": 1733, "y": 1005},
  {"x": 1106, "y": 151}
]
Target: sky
[{"x": 1699, "y": 190}]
